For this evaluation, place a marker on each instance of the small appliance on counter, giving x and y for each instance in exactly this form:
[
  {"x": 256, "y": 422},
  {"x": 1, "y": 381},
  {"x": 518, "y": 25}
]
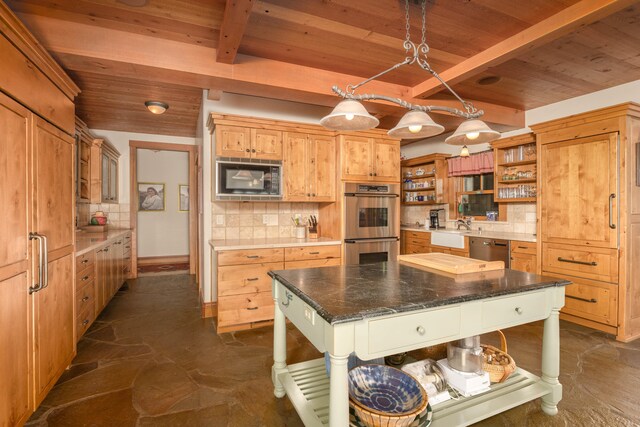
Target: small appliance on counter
[{"x": 437, "y": 219}]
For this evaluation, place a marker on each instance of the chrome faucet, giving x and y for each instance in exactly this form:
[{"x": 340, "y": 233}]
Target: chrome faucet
[{"x": 464, "y": 223}]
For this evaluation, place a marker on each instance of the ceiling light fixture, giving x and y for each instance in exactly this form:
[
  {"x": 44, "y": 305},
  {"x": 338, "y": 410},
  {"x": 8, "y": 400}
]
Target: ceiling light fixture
[
  {"x": 464, "y": 152},
  {"x": 157, "y": 107},
  {"x": 350, "y": 114}
]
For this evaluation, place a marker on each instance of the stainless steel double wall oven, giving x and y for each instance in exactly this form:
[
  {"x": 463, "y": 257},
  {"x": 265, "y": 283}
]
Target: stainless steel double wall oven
[{"x": 372, "y": 227}]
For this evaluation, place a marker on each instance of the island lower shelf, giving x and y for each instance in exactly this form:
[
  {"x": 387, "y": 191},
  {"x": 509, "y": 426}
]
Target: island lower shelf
[{"x": 307, "y": 386}]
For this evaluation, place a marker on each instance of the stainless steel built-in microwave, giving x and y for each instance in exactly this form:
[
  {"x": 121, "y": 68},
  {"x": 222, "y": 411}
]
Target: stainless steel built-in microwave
[{"x": 246, "y": 180}]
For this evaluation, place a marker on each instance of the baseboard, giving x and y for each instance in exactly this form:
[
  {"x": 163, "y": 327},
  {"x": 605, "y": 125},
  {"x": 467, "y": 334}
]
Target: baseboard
[
  {"x": 154, "y": 260},
  {"x": 209, "y": 309},
  {"x": 589, "y": 323}
]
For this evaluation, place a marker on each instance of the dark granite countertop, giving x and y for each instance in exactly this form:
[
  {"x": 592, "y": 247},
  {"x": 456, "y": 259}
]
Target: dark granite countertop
[{"x": 346, "y": 293}]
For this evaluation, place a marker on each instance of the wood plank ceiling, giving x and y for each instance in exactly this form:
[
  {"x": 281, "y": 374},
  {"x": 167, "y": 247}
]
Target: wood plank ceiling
[{"x": 542, "y": 51}]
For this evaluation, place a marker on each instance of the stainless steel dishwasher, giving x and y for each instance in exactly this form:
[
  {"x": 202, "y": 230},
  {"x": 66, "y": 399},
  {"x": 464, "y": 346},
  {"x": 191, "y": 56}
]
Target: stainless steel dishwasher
[{"x": 489, "y": 249}]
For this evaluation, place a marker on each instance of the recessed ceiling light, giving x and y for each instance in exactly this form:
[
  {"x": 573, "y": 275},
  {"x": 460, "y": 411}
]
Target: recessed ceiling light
[
  {"x": 489, "y": 80},
  {"x": 157, "y": 107},
  {"x": 134, "y": 3}
]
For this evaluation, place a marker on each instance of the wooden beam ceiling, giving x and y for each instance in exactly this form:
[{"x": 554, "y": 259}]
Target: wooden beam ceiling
[
  {"x": 173, "y": 61},
  {"x": 234, "y": 23},
  {"x": 562, "y": 23}
]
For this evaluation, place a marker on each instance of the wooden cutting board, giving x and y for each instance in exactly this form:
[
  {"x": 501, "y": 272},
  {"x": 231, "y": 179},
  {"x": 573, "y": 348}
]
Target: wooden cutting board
[{"x": 452, "y": 263}]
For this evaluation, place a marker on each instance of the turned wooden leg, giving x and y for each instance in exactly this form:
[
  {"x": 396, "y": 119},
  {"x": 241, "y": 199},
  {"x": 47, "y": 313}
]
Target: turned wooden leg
[
  {"x": 339, "y": 391},
  {"x": 279, "y": 349},
  {"x": 551, "y": 362}
]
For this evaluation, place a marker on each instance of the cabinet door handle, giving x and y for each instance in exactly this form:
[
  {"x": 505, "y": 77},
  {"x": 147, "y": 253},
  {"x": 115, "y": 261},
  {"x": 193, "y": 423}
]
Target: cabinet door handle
[
  {"x": 253, "y": 279},
  {"x": 84, "y": 261},
  {"x": 253, "y": 150},
  {"x": 519, "y": 310},
  {"x": 43, "y": 261},
  {"x": 247, "y": 150},
  {"x": 106, "y": 249},
  {"x": 522, "y": 247},
  {"x": 314, "y": 253},
  {"x": 573, "y": 261},
  {"x": 611, "y": 197},
  {"x": 375, "y": 174},
  {"x": 253, "y": 256},
  {"x": 313, "y": 194},
  {"x": 85, "y": 278},
  {"x": 252, "y": 308},
  {"x": 85, "y": 299},
  {"x": 590, "y": 300},
  {"x": 85, "y": 322}
]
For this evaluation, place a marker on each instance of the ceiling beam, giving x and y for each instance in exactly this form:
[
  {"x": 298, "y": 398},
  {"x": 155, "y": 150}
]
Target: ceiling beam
[
  {"x": 234, "y": 24},
  {"x": 82, "y": 47},
  {"x": 214, "y": 94},
  {"x": 580, "y": 14}
]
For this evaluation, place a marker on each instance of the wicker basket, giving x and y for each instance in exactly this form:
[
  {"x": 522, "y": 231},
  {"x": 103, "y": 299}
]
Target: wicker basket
[{"x": 499, "y": 373}]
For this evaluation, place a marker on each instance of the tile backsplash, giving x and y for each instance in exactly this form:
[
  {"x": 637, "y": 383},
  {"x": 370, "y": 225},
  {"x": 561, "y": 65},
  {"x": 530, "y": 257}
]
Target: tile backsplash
[
  {"x": 521, "y": 218},
  {"x": 248, "y": 220},
  {"x": 117, "y": 213}
]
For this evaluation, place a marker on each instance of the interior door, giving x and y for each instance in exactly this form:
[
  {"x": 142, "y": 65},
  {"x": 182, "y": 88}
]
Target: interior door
[
  {"x": 15, "y": 263},
  {"x": 53, "y": 216},
  {"x": 295, "y": 166},
  {"x": 578, "y": 182},
  {"x": 386, "y": 161},
  {"x": 323, "y": 182}
]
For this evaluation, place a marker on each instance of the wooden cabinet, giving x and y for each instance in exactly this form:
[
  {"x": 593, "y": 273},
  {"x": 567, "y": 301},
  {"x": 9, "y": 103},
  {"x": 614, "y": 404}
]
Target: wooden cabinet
[
  {"x": 83, "y": 162},
  {"x": 515, "y": 165},
  {"x": 425, "y": 180},
  {"x": 523, "y": 256},
  {"x": 419, "y": 242},
  {"x": 365, "y": 159},
  {"x": 309, "y": 168},
  {"x": 104, "y": 172},
  {"x": 244, "y": 288},
  {"x": 589, "y": 208},
  {"x": 248, "y": 143},
  {"x": 85, "y": 292}
]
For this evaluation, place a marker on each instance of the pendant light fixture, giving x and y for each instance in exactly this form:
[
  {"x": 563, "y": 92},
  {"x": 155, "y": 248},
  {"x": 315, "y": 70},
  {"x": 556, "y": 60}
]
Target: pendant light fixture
[{"x": 351, "y": 115}]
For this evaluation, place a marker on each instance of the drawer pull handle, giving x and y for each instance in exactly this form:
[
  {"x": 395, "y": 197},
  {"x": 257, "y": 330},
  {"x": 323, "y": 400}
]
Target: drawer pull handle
[
  {"x": 253, "y": 256},
  {"x": 591, "y": 300},
  {"x": 522, "y": 247},
  {"x": 253, "y": 279},
  {"x": 84, "y": 261},
  {"x": 611, "y": 224},
  {"x": 289, "y": 298},
  {"x": 573, "y": 261},
  {"x": 314, "y": 253},
  {"x": 85, "y": 299},
  {"x": 420, "y": 330},
  {"x": 252, "y": 308},
  {"x": 85, "y": 322},
  {"x": 85, "y": 278},
  {"x": 519, "y": 310}
]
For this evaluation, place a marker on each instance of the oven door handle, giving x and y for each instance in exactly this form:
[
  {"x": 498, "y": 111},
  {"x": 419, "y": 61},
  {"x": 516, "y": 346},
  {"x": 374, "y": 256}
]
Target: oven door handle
[
  {"x": 386, "y": 239},
  {"x": 371, "y": 195}
]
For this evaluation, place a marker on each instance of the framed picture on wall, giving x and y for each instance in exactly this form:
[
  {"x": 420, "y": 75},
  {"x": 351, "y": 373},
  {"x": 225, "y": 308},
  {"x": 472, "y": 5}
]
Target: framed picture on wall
[
  {"x": 150, "y": 196},
  {"x": 183, "y": 192}
]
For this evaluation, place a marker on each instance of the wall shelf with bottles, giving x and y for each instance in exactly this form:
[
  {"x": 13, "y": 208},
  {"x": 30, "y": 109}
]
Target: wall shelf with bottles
[
  {"x": 424, "y": 180},
  {"x": 515, "y": 165}
]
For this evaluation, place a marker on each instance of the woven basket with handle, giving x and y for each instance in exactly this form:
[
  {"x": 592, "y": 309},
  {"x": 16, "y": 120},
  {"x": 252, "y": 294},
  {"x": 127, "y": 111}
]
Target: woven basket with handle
[{"x": 498, "y": 373}]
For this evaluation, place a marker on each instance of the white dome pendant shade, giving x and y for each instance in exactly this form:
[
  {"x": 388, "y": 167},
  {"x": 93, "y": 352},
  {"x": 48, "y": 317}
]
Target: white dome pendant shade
[
  {"x": 472, "y": 132},
  {"x": 349, "y": 114},
  {"x": 416, "y": 124}
]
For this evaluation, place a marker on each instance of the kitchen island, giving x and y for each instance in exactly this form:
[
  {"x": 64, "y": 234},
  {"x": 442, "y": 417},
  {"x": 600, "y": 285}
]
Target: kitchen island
[{"x": 381, "y": 309}]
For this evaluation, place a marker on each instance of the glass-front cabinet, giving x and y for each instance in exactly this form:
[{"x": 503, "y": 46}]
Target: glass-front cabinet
[{"x": 104, "y": 172}]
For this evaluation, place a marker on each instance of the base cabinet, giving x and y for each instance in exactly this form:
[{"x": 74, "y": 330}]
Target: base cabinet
[
  {"x": 419, "y": 242},
  {"x": 245, "y": 300},
  {"x": 523, "y": 256}
]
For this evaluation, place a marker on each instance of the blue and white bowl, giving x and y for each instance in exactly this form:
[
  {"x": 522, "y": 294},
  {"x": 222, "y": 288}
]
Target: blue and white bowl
[{"x": 382, "y": 395}]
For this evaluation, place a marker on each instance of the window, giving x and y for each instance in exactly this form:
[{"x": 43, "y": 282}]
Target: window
[{"x": 475, "y": 196}]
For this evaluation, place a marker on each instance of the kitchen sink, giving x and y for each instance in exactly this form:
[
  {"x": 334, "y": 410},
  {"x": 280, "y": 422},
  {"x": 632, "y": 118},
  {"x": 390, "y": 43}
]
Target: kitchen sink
[{"x": 449, "y": 238}]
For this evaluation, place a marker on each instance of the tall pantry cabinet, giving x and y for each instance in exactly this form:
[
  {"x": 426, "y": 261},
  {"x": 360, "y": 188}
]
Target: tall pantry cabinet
[
  {"x": 589, "y": 215},
  {"x": 36, "y": 226}
]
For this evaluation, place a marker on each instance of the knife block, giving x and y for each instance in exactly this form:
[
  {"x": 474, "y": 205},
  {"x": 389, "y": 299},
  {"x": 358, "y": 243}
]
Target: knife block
[{"x": 314, "y": 232}]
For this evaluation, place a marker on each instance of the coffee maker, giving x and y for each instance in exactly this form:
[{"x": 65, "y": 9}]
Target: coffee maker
[{"x": 437, "y": 218}]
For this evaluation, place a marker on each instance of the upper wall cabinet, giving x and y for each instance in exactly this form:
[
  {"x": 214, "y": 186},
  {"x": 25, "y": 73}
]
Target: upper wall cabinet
[
  {"x": 364, "y": 158},
  {"x": 309, "y": 168},
  {"x": 425, "y": 180},
  {"x": 248, "y": 143}
]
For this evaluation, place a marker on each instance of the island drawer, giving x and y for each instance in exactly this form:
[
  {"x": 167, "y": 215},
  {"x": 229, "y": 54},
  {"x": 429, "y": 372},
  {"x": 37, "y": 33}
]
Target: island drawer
[
  {"x": 514, "y": 310},
  {"x": 246, "y": 308},
  {"x": 518, "y": 247},
  {"x": 587, "y": 262},
  {"x": 304, "y": 253},
  {"x": 253, "y": 256},
  {"x": 85, "y": 261},
  {"x": 592, "y": 300},
  {"x": 238, "y": 279},
  {"x": 413, "y": 330},
  {"x": 326, "y": 262}
]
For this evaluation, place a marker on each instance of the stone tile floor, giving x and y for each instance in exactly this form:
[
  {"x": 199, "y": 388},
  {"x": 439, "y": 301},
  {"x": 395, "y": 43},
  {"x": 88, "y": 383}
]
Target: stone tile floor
[{"x": 150, "y": 360}]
